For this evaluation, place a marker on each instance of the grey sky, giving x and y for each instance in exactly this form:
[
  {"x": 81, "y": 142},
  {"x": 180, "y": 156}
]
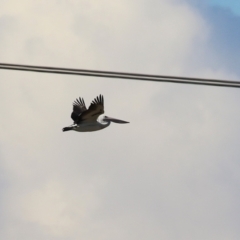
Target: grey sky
[{"x": 172, "y": 173}]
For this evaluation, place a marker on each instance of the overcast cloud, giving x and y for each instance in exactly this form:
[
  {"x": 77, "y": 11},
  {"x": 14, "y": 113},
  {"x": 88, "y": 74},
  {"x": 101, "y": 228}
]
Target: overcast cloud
[{"x": 172, "y": 173}]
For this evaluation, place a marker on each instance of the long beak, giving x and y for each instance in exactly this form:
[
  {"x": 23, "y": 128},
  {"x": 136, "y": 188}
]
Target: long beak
[{"x": 114, "y": 120}]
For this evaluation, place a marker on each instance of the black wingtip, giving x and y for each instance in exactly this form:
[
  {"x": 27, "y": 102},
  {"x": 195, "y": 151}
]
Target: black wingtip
[
  {"x": 98, "y": 99},
  {"x": 79, "y": 102}
]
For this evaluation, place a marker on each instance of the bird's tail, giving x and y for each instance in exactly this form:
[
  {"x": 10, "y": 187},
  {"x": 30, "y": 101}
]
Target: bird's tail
[{"x": 67, "y": 129}]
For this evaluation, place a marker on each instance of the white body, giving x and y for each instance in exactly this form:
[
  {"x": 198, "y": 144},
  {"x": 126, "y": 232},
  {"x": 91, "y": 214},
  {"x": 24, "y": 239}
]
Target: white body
[{"x": 90, "y": 126}]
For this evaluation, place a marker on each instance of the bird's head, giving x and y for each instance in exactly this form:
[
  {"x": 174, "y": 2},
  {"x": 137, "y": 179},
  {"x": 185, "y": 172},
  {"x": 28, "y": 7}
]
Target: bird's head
[{"x": 110, "y": 119}]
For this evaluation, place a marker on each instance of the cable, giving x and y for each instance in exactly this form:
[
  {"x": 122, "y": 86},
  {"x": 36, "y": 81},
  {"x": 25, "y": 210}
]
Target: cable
[{"x": 122, "y": 75}]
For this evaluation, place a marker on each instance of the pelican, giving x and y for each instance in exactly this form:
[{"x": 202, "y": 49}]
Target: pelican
[{"x": 87, "y": 120}]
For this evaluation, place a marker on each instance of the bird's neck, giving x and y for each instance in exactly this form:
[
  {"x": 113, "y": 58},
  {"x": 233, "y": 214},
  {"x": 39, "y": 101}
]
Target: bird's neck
[{"x": 105, "y": 124}]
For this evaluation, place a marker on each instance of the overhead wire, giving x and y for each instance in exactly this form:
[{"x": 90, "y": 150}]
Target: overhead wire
[{"x": 122, "y": 75}]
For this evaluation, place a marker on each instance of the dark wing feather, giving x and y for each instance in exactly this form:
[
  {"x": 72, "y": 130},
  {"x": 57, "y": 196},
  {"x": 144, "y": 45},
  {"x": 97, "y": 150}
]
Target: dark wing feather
[
  {"x": 78, "y": 108},
  {"x": 95, "y": 109}
]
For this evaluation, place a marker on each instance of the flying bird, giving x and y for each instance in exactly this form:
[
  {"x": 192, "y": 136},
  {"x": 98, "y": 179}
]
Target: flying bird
[{"x": 87, "y": 120}]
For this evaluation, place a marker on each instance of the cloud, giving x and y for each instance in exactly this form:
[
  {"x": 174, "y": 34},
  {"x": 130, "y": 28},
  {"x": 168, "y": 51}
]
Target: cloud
[{"x": 171, "y": 173}]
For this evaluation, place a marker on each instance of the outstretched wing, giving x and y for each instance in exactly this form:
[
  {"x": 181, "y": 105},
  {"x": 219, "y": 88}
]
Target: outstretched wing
[
  {"x": 78, "y": 108},
  {"x": 95, "y": 109}
]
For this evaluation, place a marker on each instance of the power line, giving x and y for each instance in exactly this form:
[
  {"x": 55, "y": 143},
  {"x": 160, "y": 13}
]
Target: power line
[{"x": 121, "y": 75}]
